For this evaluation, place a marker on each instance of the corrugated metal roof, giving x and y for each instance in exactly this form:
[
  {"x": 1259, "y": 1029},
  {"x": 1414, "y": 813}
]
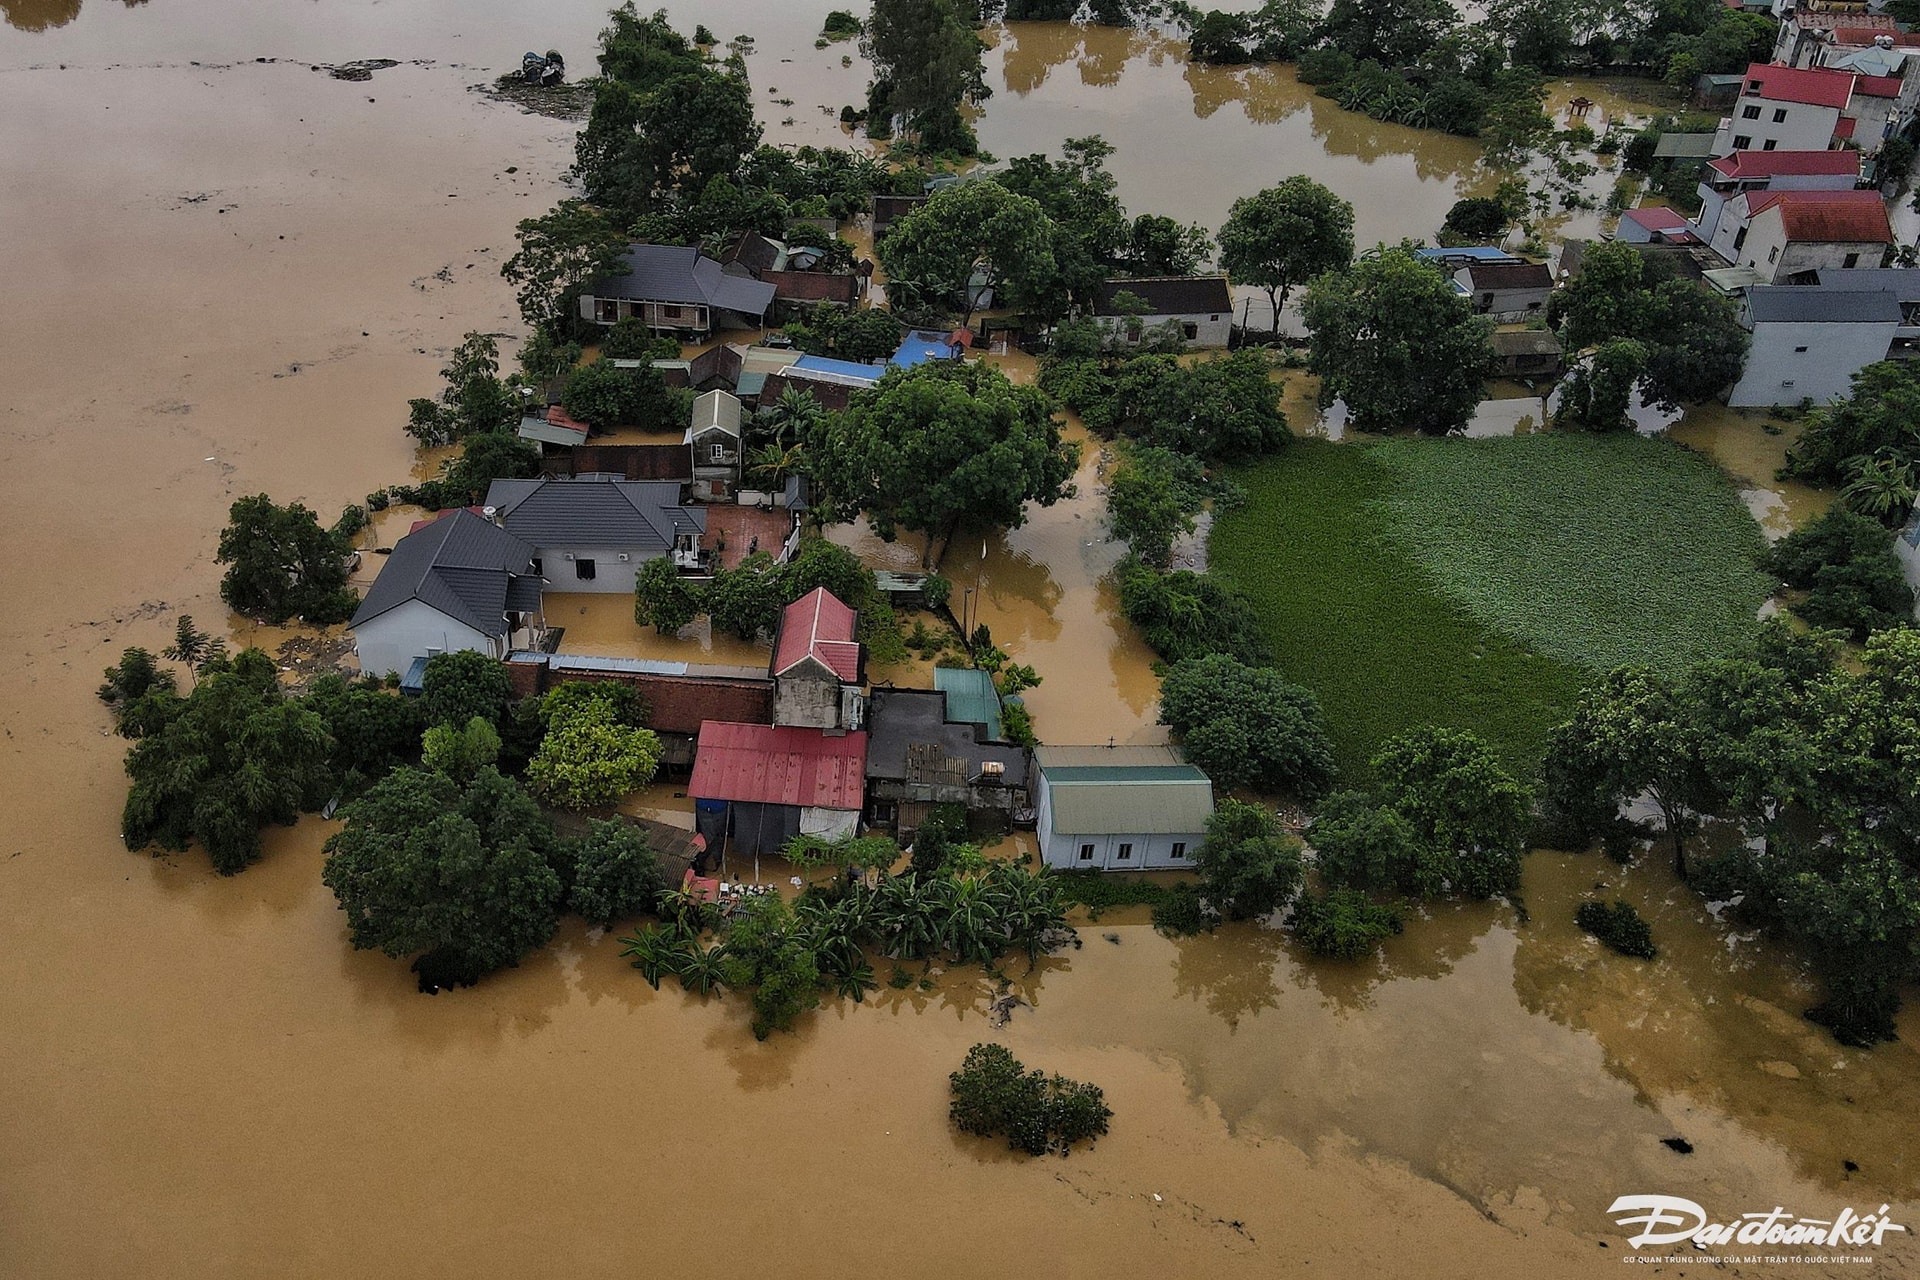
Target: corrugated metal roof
[
  {"x": 1902, "y": 282},
  {"x": 463, "y": 566},
  {"x": 971, "y": 698},
  {"x": 642, "y": 514},
  {"x": 1814, "y": 87},
  {"x": 1770, "y": 164},
  {"x": 1811, "y": 304},
  {"x": 717, "y": 410},
  {"x": 1129, "y": 801},
  {"x": 779, "y": 764},
  {"x": 819, "y": 625},
  {"x": 1827, "y": 217},
  {"x": 824, "y": 369}
]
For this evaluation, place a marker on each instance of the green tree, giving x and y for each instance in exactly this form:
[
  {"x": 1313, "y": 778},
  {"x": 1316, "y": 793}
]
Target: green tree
[
  {"x": 1599, "y": 393},
  {"x": 603, "y": 396},
  {"x": 1882, "y": 412},
  {"x": 1845, "y": 562},
  {"x": 616, "y": 874},
  {"x": 461, "y": 753},
  {"x": 1088, "y": 228},
  {"x": 139, "y": 693},
  {"x": 967, "y": 232},
  {"x": 235, "y": 754},
  {"x": 456, "y": 876},
  {"x": 745, "y": 601},
  {"x": 282, "y": 564},
  {"x": 373, "y": 730},
  {"x": 458, "y": 686},
  {"x": 1476, "y": 220},
  {"x": 191, "y": 647},
  {"x": 1607, "y": 299},
  {"x": 1361, "y": 844},
  {"x": 926, "y": 63},
  {"x": 1392, "y": 339},
  {"x": 1285, "y": 236},
  {"x": 1700, "y": 348},
  {"x": 1342, "y": 924},
  {"x": 1247, "y": 726},
  {"x": 1449, "y": 787},
  {"x": 494, "y": 455},
  {"x": 1249, "y": 868},
  {"x": 767, "y": 951},
  {"x": 588, "y": 758},
  {"x": 1159, "y": 246},
  {"x": 1391, "y": 32},
  {"x": 994, "y": 1094},
  {"x": 1153, "y": 496},
  {"x": 561, "y": 252},
  {"x": 1184, "y": 615},
  {"x": 933, "y": 448},
  {"x": 474, "y": 400},
  {"x": 664, "y": 598}
]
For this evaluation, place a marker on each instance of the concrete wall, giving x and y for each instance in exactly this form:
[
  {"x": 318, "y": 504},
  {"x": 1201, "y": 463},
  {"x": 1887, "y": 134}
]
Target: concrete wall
[
  {"x": 1779, "y": 372},
  {"x": 807, "y": 698},
  {"x": 610, "y": 574},
  {"x": 1806, "y": 128},
  {"x": 390, "y": 642},
  {"x": 1211, "y": 331}
]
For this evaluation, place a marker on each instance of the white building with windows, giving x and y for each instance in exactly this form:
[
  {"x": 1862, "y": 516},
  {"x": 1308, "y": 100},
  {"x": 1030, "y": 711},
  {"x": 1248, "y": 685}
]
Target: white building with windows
[
  {"x": 594, "y": 533},
  {"x": 1785, "y": 109},
  {"x": 1809, "y": 341},
  {"x": 1119, "y": 808}
]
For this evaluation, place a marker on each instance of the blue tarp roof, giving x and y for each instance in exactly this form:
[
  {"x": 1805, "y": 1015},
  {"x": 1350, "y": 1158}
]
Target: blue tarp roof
[
  {"x": 1477, "y": 253},
  {"x": 919, "y": 347},
  {"x": 845, "y": 368}
]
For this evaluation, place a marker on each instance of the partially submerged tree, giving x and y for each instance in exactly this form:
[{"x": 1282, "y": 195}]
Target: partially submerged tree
[
  {"x": 463, "y": 684},
  {"x": 616, "y": 873},
  {"x": 1249, "y": 867},
  {"x": 967, "y": 238},
  {"x": 1247, "y": 726},
  {"x": 561, "y": 253},
  {"x": 474, "y": 401},
  {"x": 927, "y": 64},
  {"x": 589, "y": 758},
  {"x": 281, "y": 564},
  {"x": 1285, "y": 236}
]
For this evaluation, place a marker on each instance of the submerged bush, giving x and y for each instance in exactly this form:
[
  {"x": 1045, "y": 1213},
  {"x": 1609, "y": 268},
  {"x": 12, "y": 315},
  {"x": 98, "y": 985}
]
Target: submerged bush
[
  {"x": 1343, "y": 924},
  {"x": 994, "y": 1093},
  {"x": 1619, "y": 926}
]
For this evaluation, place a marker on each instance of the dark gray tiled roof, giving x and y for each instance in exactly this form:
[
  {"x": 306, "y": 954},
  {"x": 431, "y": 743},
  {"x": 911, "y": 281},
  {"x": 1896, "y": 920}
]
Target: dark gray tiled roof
[
  {"x": 900, "y": 718},
  {"x": 1814, "y": 304},
  {"x": 1902, "y": 282},
  {"x": 642, "y": 514},
  {"x": 670, "y": 273},
  {"x": 1167, "y": 295},
  {"x": 462, "y": 565}
]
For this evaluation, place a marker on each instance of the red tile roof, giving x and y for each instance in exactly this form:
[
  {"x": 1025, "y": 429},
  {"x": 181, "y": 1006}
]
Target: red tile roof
[
  {"x": 1657, "y": 217},
  {"x": 1816, "y": 87},
  {"x": 1834, "y": 217},
  {"x": 1878, "y": 86},
  {"x": 813, "y": 286},
  {"x": 818, "y": 626},
  {"x": 783, "y": 764},
  {"x": 1773, "y": 164}
]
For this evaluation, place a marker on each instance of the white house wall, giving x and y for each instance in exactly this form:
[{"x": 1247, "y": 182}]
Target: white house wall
[
  {"x": 610, "y": 574},
  {"x": 1146, "y": 852},
  {"x": 389, "y": 643},
  {"x": 1806, "y": 128},
  {"x": 1779, "y": 372},
  {"x": 1210, "y": 330}
]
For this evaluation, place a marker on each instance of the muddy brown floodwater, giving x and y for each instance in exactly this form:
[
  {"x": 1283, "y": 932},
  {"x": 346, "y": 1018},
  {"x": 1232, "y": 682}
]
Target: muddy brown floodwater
[{"x": 225, "y": 274}]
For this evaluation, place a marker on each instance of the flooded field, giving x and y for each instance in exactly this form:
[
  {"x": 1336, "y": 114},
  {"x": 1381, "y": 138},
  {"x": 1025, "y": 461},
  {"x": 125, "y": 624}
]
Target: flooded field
[{"x": 227, "y": 276}]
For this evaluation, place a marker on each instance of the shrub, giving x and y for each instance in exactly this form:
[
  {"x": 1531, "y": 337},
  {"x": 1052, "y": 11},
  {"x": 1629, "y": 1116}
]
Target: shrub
[
  {"x": 1247, "y": 726},
  {"x": 1343, "y": 924},
  {"x": 616, "y": 873},
  {"x": 1619, "y": 926},
  {"x": 994, "y": 1093}
]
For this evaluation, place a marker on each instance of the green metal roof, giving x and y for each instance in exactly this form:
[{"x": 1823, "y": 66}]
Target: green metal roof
[
  {"x": 1125, "y": 773},
  {"x": 1125, "y": 804},
  {"x": 971, "y": 698}
]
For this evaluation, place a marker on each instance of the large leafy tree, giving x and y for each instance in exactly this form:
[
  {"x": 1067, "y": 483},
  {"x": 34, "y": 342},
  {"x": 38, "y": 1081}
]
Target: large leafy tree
[
  {"x": 1392, "y": 339},
  {"x": 456, "y": 876},
  {"x": 932, "y": 448},
  {"x": 927, "y": 63},
  {"x": 281, "y": 564},
  {"x": 234, "y": 755},
  {"x": 1693, "y": 346},
  {"x": 1845, "y": 562},
  {"x": 616, "y": 873},
  {"x": 495, "y": 455},
  {"x": 1450, "y": 789},
  {"x": 1391, "y": 32},
  {"x": 966, "y": 231},
  {"x": 1184, "y": 615},
  {"x": 1088, "y": 227},
  {"x": 1880, "y": 417},
  {"x": 561, "y": 252},
  {"x": 1285, "y": 236},
  {"x": 372, "y": 730},
  {"x": 590, "y": 758},
  {"x": 1247, "y": 726},
  {"x": 1248, "y": 866},
  {"x": 474, "y": 401},
  {"x": 458, "y": 686}
]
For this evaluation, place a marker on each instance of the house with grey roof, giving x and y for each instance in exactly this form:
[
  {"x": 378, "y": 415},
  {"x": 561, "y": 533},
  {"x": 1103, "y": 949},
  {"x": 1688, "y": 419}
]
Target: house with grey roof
[
  {"x": 925, "y": 750},
  {"x": 677, "y": 290},
  {"x": 457, "y": 582},
  {"x": 593, "y": 533},
  {"x": 1200, "y": 306},
  {"x": 1809, "y": 341},
  {"x": 1119, "y": 808}
]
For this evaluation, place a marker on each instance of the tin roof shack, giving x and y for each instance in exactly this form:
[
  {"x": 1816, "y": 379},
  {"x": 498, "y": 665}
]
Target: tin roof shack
[
  {"x": 1119, "y": 808},
  {"x": 459, "y": 582},
  {"x": 819, "y": 665},
  {"x": 1527, "y": 353},
  {"x": 921, "y": 754},
  {"x": 714, "y": 439},
  {"x": 761, "y": 785}
]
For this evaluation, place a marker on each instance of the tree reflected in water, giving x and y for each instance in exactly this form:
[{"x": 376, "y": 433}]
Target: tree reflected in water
[{"x": 44, "y": 15}]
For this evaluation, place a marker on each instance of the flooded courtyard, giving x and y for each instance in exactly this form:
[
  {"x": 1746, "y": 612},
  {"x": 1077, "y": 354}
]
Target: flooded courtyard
[{"x": 226, "y": 274}]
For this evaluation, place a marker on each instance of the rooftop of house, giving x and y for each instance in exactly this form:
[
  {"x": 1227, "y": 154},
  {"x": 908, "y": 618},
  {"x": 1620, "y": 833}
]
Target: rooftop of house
[
  {"x": 1166, "y": 295},
  {"x": 1124, "y": 790},
  {"x": 1466, "y": 253},
  {"x": 1745, "y": 165},
  {"x": 716, "y": 411},
  {"x": 827, "y": 369},
  {"x": 971, "y": 698},
  {"x": 633, "y": 461},
  {"x": 1877, "y": 86},
  {"x": 1812, "y": 304},
  {"x": 923, "y": 345},
  {"x": 464, "y": 566},
  {"x": 814, "y": 286},
  {"x": 676, "y": 274},
  {"x": 643, "y": 514},
  {"x": 1814, "y": 87},
  {"x": 1903, "y": 282},
  {"x": 1524, "y": 342},
  {"x": 820, "y": 627},
  {"x": 783, "y": 764},
  {"x": 1510, "y": 275},
  {"x": 1827, "y": 20},
  {"x": 898, "y": 719},
  {"x": 1829, "y": 217},
  {"x": 755, "y": 252}
]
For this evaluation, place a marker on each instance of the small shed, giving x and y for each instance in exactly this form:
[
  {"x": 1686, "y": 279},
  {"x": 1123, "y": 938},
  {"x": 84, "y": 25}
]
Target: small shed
[
  {"x": 1527, "y": 353},
  {"x": 761, "y": 785}
]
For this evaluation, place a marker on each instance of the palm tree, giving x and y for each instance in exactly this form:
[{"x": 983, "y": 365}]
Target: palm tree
[
  {"x": 1882, "y": 486},
  {"x": 772, "y": 463}
]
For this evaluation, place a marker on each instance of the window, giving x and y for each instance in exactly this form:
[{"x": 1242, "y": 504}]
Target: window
[
  {"x": 1086, "y": 853},
  {"x": 1851, "y": 261},
  {"x": 669, "y": 313},
  {"x": 1743, "y": 142},
  {"x": 1773, "y": 255},
  {"x": 1798, "y": 350},
  {"x": 1750, "y": 113},
  {"x": 1753, "y": 86},
  {"x": 718, "y": 453},
  {"x": 1779, "y": 117},
  {"x": 1124, "y": 854},
  {"x": 1179, "y": 849},
  {"x": 1189, "y": 331},
  {"x": 1769, "y": 144},
  {"x": 583, "y": 569},
  {"x": 606, "y": 310},
  {"x": 537, "y": 570},
  {"x": 1739, "y": 238}
]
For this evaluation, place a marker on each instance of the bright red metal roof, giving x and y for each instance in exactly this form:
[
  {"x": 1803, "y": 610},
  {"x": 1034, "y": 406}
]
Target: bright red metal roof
[
  {"x": 1844, "y": 128},
  {"x": 779, "y": 764},
  {"x": 818, "y": 626},
  {"x": 1774, "y": 164},
  {"x": 1816, "y": 87},
  {"x": 1835, "y": 217}
]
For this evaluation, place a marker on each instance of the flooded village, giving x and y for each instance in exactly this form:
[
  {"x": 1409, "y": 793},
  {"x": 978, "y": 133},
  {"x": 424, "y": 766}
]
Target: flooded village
[{"x": 826, "y": 579}]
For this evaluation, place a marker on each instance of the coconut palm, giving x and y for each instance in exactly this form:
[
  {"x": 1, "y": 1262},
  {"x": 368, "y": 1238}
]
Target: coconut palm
[{"x": 1882, "y": 486}]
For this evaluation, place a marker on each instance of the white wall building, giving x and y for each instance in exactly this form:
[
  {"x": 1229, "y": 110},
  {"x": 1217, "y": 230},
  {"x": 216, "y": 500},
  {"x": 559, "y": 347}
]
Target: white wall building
[
  {"x": 1119, "y": 808},
  {"x": 1809, "y": 341}
]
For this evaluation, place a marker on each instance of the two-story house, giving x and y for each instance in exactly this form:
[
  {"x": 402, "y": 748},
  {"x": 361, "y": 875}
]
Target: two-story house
[
  {"x": 1785, "y": 109},
  {"x": 1745, "y": 172},
  {"x": 1786, "y": 236}
]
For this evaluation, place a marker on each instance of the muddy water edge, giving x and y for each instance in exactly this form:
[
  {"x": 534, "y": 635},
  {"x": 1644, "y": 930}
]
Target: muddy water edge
[{"x": 226, "y": 276}]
